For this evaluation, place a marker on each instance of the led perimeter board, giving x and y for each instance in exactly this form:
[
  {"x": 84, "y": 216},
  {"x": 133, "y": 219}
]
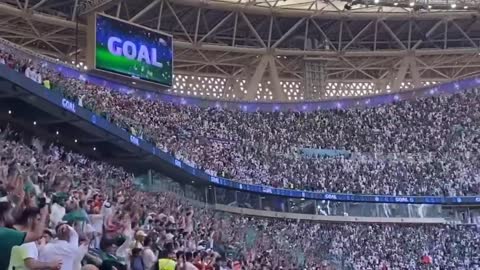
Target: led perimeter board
[{"x": 120, "y": 47}]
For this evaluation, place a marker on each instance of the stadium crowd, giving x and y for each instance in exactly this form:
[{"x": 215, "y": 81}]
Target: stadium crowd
[
  {"x": 58, "y": 211},
  {"x": 422, "y": 147}
]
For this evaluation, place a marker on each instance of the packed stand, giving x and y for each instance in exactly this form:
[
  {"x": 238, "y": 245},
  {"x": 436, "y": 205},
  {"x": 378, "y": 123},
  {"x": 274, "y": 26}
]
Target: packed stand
[
  {"x": 58, "y": 210},
  {"x": 433, "y": 140}
]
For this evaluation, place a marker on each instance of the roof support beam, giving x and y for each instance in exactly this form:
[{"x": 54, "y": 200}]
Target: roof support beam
[
  {"x": 325, "y": 37},
  {"x": 426, "y": 66},
  {"x": 144, "y": 11},
  {"x": 119, "y": 9},
  {"x": 277, "y": 90},
  {"x": 428, "y": 34},
  {"x": 414, "y": 72},
  {"x": 179, "y": 21},
  {"x": 256, "y": 78},
  {"x": 393, "y": 35},
  {"x": 464, "y": 34},
  {"x": 365, "y": 28},
  {"x": 197, "y": 25},
  {"x": 34, "y": 17},
  {"x": 37, "y": 5},
  {"x": 254, "y": 31},
  {"x": 289, "y": 32},
  {"x": 98, "y": 6},
  {"x": 251, "y": 8},
  {"x": 215, "y": 28},
  {"x": 160, "y": 15},
  {"x": 400, "y": 74}
]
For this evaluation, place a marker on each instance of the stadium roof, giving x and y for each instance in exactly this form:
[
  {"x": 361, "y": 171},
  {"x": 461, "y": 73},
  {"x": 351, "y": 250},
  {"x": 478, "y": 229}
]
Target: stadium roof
[
  {"x": 324, "y": 7},
  {"x": 271, "y": 50}
]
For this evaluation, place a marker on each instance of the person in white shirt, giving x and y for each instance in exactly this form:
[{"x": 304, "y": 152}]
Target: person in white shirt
[
  {"x": 38, "y": 77},
  {"x": 82, "y": 251},
  {"x": 64, "y": 248},
  {"x": 26, "y": 256},
  {"x": 57, "y": 213},
  {"x": 29, "y": 71},
  {"x": 80, "y": 100},
  {"x": 189, "y": 261},
  {"x": 148, "y": 256}
]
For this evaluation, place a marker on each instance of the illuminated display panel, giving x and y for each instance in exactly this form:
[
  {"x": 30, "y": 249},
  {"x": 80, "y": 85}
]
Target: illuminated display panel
[{"x": 132, "y": 50}]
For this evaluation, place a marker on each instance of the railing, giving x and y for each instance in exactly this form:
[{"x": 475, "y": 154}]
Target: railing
[{"x": 252, "y": 204}]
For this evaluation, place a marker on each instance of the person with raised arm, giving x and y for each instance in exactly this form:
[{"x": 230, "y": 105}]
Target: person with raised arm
[
  {"x": 10, "y": 236},
  {"x": 26, "y": 256},
  {"x": 65, "y": 247}
]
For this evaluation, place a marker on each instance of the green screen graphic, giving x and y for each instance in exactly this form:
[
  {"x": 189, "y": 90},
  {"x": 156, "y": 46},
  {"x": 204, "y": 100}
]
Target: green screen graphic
[{"x": 133, "y": 51}]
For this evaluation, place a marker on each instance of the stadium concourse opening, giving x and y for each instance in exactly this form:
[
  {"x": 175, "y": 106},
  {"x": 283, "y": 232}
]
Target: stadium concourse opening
[{"x": 279, "y": 139}]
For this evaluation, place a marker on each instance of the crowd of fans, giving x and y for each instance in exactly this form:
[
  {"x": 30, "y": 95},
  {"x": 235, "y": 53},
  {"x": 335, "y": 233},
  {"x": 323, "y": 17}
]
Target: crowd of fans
[
  {"x": 58, "y": 211},
  {"x": 433, "y": 141}
]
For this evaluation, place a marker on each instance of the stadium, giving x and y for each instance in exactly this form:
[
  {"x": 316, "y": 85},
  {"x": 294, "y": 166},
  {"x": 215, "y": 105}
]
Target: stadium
[{"x": 239, "y": 134}]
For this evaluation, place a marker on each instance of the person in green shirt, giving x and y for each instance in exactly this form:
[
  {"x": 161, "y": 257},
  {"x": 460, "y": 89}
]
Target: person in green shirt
[
  {"x": 46, "y": 83},
  {"x": 166, "y": 264},
  {"x": 167, "y": 261},
  {"x": 26, "y": 256},
  {"x": 11, "y": 237}
]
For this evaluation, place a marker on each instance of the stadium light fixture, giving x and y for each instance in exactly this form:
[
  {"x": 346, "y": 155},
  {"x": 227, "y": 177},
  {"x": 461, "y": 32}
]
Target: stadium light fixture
[
  {"x": 34, "y": 123},
  {"x": 76, "y": 141},
  {"x": 9, "y": 112},
  {"x": 94, "y": 148},
  {"x": 57, "y": 133}
]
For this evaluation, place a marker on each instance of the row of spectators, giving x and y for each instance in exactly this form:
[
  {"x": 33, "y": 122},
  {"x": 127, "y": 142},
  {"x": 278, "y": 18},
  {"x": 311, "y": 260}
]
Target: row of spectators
[
  {"x": 434, "y": 139},
  {"x": 58, "y": 211}
]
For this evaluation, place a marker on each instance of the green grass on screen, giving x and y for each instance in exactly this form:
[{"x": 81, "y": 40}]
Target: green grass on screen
[{"x": 120, "y": 64}]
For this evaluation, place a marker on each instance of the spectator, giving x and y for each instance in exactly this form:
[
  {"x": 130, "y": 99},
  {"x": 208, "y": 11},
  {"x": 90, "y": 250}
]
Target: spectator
[
  {"x": 46, "y": 83},
  {"x": 149, "y": 257},
  {"x": 167, "y": 261},
  {"x": 26, "y": 255},
  {"x": 32, "y": 230},
  {"x": 387, "y": 154},
  {"x": 189, "y": 261},
  {"x": 65, "y": 247}
]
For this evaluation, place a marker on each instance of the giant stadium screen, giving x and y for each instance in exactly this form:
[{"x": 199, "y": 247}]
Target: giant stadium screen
[{"x": 132, "y": 50}]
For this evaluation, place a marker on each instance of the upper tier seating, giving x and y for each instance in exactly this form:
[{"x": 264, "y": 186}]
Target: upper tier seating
[{"x": 426, "y": 146}]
